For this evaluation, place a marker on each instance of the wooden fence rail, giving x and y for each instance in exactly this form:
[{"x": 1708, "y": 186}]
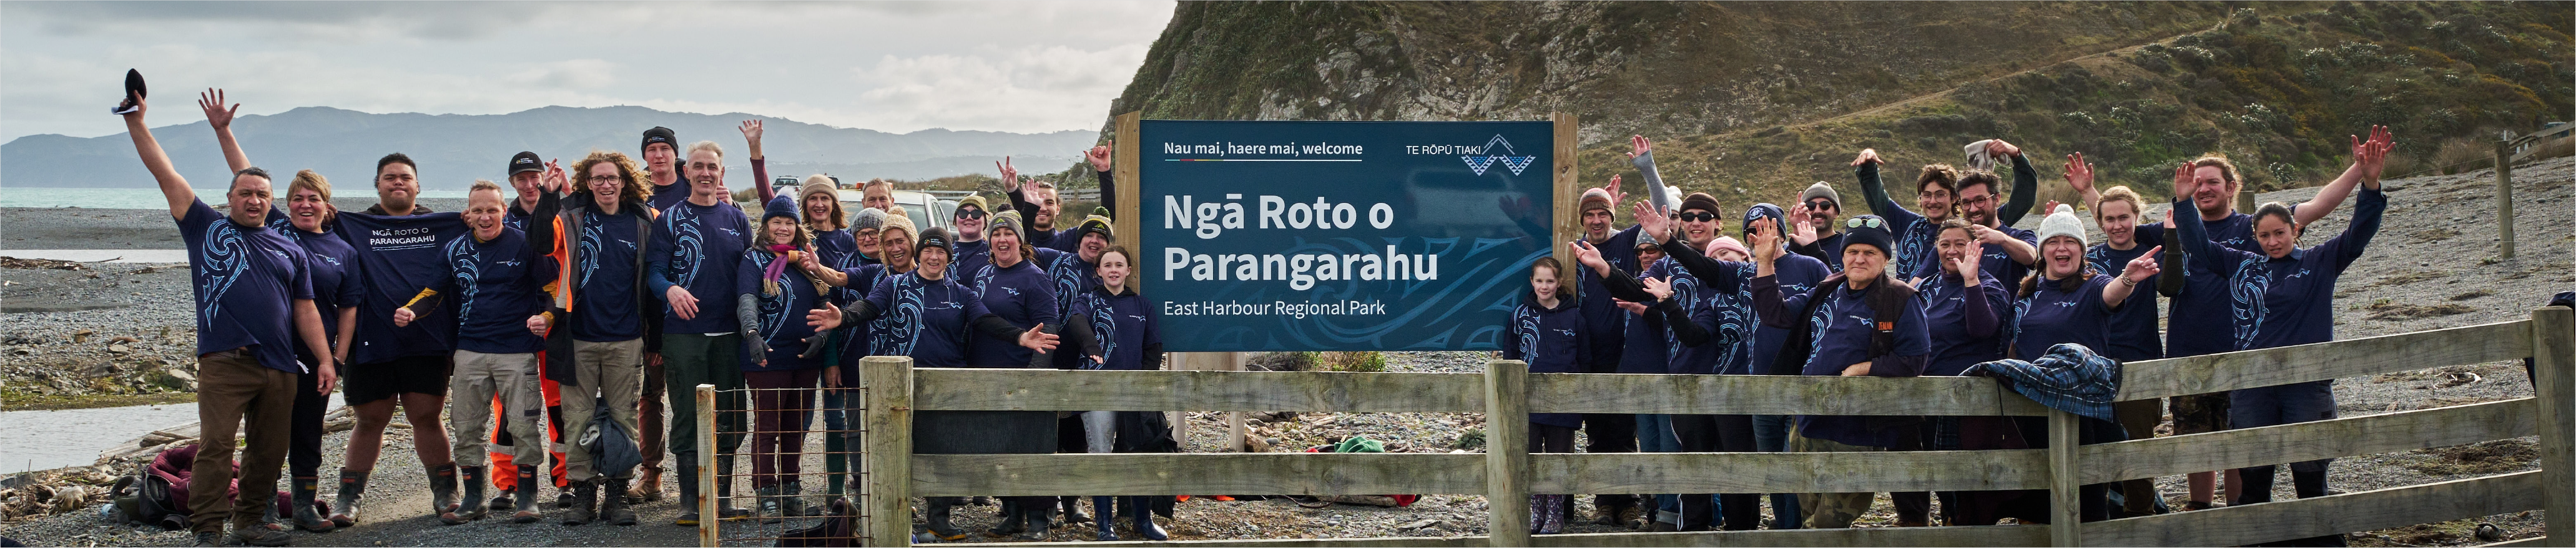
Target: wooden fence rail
[{"x": 1506, "y": 474}]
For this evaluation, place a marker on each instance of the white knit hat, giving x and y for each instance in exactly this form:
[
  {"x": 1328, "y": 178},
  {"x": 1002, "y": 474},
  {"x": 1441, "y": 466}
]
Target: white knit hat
[{"x": 2063, "y": 223}]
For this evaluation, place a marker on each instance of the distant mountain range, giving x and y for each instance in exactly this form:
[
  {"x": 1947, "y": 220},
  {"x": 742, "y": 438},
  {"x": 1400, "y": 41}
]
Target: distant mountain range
[{"x": 454, "y": 149}]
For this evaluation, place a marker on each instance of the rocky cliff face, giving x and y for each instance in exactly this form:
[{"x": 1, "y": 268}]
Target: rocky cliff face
[{"x": 1771, "y": 95}]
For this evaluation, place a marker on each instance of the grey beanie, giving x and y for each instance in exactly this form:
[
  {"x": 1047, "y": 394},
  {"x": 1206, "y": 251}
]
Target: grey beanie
[
  {"x": 868, "y": 219},
  {"x": 1821, "y": 189}
]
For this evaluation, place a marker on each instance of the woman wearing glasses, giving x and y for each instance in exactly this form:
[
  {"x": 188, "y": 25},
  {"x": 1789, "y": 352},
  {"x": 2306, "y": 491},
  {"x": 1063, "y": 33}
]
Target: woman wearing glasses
[{"x": 1858, "y": 322}]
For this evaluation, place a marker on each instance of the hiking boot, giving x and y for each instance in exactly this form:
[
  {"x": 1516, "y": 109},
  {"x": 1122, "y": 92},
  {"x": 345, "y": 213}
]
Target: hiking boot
[
  {"x": 1014, "y": 519},
  {"x": 724, "y": 499},
  {"x": 306, "y": 517},
  {"x": 258, "y": 535},
  {"x": 937, "y": 519},
  {"x": 563, "y": 497},
  {"x": 585, "y": 498},
  {"x": 648, "y": 486},
  {"x": 353, "y": 484},
  {"x": 1040, "y": 519},
  {"x": 472, "y": 506},
  {"x": 210, "y": 538},
  {"x": 767, "y": 502},
  {"x": 442, "y": 488},
  {"x": 526, "y": 495},
  {"x": 1073, "y": 511},
  {"x": 792, "y": 499},
  {"x": 613, "y": 509}
]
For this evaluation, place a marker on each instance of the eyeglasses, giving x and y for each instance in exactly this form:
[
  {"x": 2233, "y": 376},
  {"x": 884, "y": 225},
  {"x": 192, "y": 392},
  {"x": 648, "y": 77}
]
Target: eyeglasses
[
  {"x": 1977, "y": 200},
  {"x": 1699, "y": 217},
  {"x": 1821, "y": 203},
  {"x": 970, "y": 213},
  {"x": 604, "y": 179},
  {"x": 1857, "y": 222}
]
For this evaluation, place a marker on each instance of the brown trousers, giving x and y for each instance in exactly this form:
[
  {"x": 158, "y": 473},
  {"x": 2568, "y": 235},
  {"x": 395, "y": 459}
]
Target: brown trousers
[
  {"x": 2139, "y": 418},
  {"x": 648, "y": 418},
  {"x": 233, "y": 389}
]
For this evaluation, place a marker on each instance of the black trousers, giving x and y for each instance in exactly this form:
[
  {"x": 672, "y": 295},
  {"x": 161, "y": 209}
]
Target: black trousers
[
  {"x": 1913, "y": 506},
  {"x": 1610, "y": 433},
  {"x": 304, "y": 436},
  {"x": 1714, "y": 433}
]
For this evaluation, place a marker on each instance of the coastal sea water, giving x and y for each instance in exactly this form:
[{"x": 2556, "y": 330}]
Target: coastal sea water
[{"x": 126, "y": 198}]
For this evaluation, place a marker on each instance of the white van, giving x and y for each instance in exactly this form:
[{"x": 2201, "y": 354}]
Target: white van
[{"x": 934, "y": 208}]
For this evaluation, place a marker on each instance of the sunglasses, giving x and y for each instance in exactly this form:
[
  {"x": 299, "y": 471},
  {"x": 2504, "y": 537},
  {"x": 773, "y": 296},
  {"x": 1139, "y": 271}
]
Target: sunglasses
[
  {"x": 1821, "y": 204},
  {"x": 970, "y": 213},
  {"x": 1699, "y": 217},
  {"x": 1857, "y": 222}
]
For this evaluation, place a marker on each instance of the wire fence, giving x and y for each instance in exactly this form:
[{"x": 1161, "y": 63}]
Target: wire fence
[{"x": 784, "y": 465}]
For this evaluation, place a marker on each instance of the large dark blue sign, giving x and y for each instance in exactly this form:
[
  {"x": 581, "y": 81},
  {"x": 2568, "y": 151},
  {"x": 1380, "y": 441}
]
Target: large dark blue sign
[{"x": 1341, "y": 235}]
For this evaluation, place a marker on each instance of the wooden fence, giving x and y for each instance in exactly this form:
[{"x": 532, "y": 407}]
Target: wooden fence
[{"x": 1506, "y": 474}]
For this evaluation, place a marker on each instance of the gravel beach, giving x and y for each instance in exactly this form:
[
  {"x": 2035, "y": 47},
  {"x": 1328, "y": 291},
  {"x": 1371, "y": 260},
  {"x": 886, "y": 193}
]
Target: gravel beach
[{"x": 2431, "y": 266}]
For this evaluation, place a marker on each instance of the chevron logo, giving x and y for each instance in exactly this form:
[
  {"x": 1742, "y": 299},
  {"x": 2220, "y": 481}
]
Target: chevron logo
[{"x": 1509, "y": 157}]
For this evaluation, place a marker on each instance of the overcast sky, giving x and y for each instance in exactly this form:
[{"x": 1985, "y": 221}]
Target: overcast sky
[{"x": 889, "y": 66}]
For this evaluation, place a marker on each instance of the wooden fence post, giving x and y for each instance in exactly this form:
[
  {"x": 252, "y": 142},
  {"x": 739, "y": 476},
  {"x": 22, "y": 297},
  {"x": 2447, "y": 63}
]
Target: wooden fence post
[
  {"x": 1568, "y": 187},
  {"x": 1126, "y": 149},
  {"x": 2504, "y": 196},
  {"x": 1507, "y": 453},
  {"x": 707, "y": 515},
  {"x": 887, "y": 381},
  {"x": 2245, "y": 201},
  {"x": 2553, "y": 352},
  {"x": 2065, "y": 510}
]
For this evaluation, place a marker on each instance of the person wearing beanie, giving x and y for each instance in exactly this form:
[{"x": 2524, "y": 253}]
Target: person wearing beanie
[
  {"x": 1934, "y": 190},
  {"x": 771, "y": 295},
  {"x": 943, "y": 314},
  {"x": 1816, "y": 234},
  {"x": 1796, "y": 274},
  {"x": 2067, "y": 301},
  {"x": 837, "y": 247},
  {"x": 2293, "y": 305},
  {"x": 1015, "y": 288},
  {"x": 967, "y": 246},
  {"x": 661, "y": 155},
  {"x": 1842, "y": 320},
  {"x": 1727, "y": 248},
  {"x": 1606, "y": 327},
  {"x": 1075, "y": 272},
  {"x": 874, "y": 234}
]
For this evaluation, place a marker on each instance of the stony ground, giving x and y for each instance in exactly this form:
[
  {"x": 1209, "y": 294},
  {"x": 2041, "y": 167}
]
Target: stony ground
[{"x": 2432, "y": 266}]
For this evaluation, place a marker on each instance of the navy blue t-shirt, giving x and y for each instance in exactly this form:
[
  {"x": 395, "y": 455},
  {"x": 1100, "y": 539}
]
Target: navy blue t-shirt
[
  {"x": 2133, "y": 326},
  {"x": 246, "y": 279},
  {"x": 2289, "y": 300},
  {"x": 397, "y": 256},
  {"x": 606, "y": 305},
  {"x": 1946, "y": 308},
  {"x": 2051, "y": 316},
  {"x": 2002, "y": 264},
  {"x": 672, "y": 194},
  {"x": 967, "y": 258},
  {"x": 697, "y": 248},
  {"x": 1124, "y": 324},
  {"x": 926, "y": 319},
  {"x": 2202, "y": 316},
  {"x": 335, "y": 278},
  {"x": 1797, "y": 274},
  {"x": 1551, "y": 340},
  {"x": 1022, "y": 295},
  {"x": 782, "y": 315},
  {"x": 1605, "y": 322},
  {"x": 495, "y": 284}
]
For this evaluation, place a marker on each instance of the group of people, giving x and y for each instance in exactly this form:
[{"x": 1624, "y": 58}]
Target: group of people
[
  {"x": 567, "y": 304},
  {"x": 1936, "y": 289}
]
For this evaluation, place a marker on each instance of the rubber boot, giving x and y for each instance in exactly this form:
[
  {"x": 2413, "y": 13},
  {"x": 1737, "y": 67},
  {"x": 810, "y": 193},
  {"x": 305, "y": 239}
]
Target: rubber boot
[
  {"x": 1073, "y": 510},
  {"x": 526, "y": 495},
  {"x": 353, "y": 484},
  {"x": 724, "y": 492},
  {"x": 937, "y": 519},
  {"x": 1041, "y": 518},
  {"x": 585, "y": 502},
  {"x": 1108, "y": 518},
  {"x": 688, "y": 504},
  {"x": 791, "y": 502},
  {"x": 306, "y": 517},
  {"x": 1014, "y": 520},
  {"x": 768, "y": 503},
  {"x": 613, "y": 509},
  {"x": 442, "y": 488},
  {"x": 505, "y": 497},
  {"x": 470, "y": 505},
  {"x": 1144, "y": 520},
  {"x": 648, "y": 486}
]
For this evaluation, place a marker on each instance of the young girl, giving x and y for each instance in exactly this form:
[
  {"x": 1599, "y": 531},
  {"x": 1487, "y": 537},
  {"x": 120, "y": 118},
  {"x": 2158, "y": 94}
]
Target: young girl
[
  {"x": 778, "y": 369},
  {"x": 1547, "y": 331},
  {"x": 1116, "y": 330}
]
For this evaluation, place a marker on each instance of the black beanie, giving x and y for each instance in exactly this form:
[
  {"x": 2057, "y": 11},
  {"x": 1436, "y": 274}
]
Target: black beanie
[
  {"x": 1857, "y": 231},
  {"x": 933, "y": 237},
  {"x": 1764, "y": 210},
  {"x": 662, "y": 135}
]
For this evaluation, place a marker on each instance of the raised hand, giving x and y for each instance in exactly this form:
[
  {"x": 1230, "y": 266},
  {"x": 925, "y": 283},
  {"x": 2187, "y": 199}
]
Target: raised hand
[
  {"x": 1638, "y": 145},
  {"x": 2051, "y": 207},
  {"x": 2372, "y": 154},
  {"x": 1010, "y": 175},
  {"x": 1661, "y": 288},
  {"x": 1615, "y": 195},
  {"x": 1867, "y": 156},
  {"x": 2182, "y": 185},
  {"x": 554, "y": 179},
  {"x": 1586, "y": 255},
  {"x": 751, "y": 133},
  {"x": 2079, "y": 174},
  {"x": 1652, "y": 222},
  {"x": 212, "y": 101},
  {"x": 1966, "y": 265},
  {"x": 1100, "y": 157},
  {"x": 1806, "y": 225},
  {"x": 2145, "y": 265},
  {"x": 2000, "y": 148},
  {"x": 1765, "y": 241}
]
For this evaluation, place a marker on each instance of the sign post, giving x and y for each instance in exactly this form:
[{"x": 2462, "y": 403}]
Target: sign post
[{"x": 1342, "y": 236}]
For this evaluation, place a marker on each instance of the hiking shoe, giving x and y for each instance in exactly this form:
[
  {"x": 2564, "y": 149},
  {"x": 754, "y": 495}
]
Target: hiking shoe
[{"x": 259, "y": 536}]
